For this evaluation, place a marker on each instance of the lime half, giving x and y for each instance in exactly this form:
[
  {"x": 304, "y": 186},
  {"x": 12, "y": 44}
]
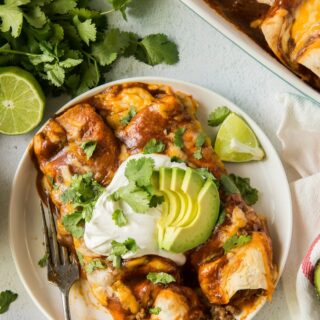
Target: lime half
[
  {"x": 236, "y": 142},
  {"x": 21, "y": 101}
]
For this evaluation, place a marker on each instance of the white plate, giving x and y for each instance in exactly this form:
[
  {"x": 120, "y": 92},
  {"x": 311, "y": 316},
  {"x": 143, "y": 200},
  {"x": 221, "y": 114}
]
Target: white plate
[
  {"x": 248, "y": 45},
  {"x": 25, "y": 227}
]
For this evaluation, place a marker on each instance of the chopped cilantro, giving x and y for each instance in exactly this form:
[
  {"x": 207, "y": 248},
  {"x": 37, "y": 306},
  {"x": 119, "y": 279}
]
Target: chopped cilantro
[
  {"x": 198, "y": 154},
  {"x": 94, "y": 265},
  {"x": 160, "y": 277},
  {"x": 206, "y": 173},
  {"x": 155, "y": 310},
  {"x": 155, "y": 201},
  {"x": 236, "y": 241},
  {"x": 248, "y": 193},
  {"x": 154, "y": 146},
  {"x": 217, "y": 116},
  {"x": 120, "y": 249},
  {"x": 119, "y": 218},
  {"x": 73, "y": 223},
  {"x": 44, "y": 260},
  {"x": 178, "y": 137},
  {"x": 201, "y": 138},
  {"x": 126, "y": 119},
  {"x": 6, "y": 298},
  {"x": 229, "y": 185},
  {"x": 83, "y": 193},
  {"x": 89, "y": 147}
]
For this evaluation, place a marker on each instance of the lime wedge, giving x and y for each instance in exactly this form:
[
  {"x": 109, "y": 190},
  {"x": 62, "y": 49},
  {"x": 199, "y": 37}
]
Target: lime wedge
[
  {"x": 21, "y": 101},
  {"x": 236, "y": 142}
]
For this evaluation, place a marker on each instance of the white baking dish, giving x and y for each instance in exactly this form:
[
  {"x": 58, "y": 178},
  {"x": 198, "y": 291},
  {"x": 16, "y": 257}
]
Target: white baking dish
[{"x": 248, "y": 45}]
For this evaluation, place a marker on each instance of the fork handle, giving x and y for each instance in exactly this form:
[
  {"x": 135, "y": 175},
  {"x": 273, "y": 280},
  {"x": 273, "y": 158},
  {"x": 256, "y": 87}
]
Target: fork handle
[{"x": 65, "y": 303}]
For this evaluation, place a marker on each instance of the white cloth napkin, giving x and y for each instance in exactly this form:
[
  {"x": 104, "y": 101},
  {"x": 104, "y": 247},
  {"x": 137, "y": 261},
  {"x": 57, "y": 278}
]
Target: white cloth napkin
[{"x": 299, "y": 134}]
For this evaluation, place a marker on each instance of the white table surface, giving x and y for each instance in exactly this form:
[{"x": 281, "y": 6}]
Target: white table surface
[{"x": 207, "y": 59}]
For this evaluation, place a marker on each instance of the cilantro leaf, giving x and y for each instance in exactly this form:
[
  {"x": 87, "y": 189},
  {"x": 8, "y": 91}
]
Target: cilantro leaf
[
  {"x": 94, "y": 265},
  {"x": 36, "y": 17},
  {"x": 135, "y": 197},
  {"x": 248, "y": 193},
  {"x": 217, "y": 116},
  {"x": 160, "y": 277},
  {"x": 119, "y": 218},
  {"x": 90, "y": 76},
  {"x": 55, "y": 74},
  {"x": 140, "y": 171},
  {"x": 6, "y": 298},
  {"x": 178, "y": 137},
  {"x": 73, "y": 223},
  {"x": 120, "y": 5},
  {"x": 155, "y": 310},
  {"x": 44, "y": 260},
  {"x": 89, "y": 147},
  {"x": 114, "y": 43},
  {"x": 236, "y": 241},
  {"x": 70, "y": 63},
  {"x": 61, "y": 6},
  {"x": 126, "y": 119},
  {"x": 154, "y": 146},
  {"x": 157, "y": 48},
  {"x": 120, "y": 249},
  {"x": 87, "y": 30},
  {"x": 12, "y": 16}
]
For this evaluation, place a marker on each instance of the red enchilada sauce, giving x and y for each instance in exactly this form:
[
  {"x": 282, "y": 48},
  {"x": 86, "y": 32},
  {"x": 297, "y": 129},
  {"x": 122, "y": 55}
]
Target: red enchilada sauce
[{"x": 242, "y": 13}]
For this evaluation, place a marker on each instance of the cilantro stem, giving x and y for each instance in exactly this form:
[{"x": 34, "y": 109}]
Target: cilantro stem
[
  {"x": 20, "y": 52},
  {"x": 109, "y": 11}
]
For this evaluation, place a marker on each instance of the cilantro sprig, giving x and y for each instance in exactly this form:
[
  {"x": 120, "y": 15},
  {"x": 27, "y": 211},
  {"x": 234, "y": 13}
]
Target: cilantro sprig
[
  {"x": 83, "y": 193},
  {"x": 119, "y": 218},
  {"x": 68, "y": 47},
  {"x": 140, "y": 193}
]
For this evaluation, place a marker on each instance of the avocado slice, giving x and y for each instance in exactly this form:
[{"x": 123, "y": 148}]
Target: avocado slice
[
  {"x": 191, "y": 186},
  {"x": 316, "y": 279},
  {"x": 176, "y": 186},
  {"x": 183, "y": 238},
  {"x": 172, "y": 204}
]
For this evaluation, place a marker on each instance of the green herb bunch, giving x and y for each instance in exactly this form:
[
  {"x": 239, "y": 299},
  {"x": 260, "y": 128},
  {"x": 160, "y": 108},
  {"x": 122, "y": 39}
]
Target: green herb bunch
[{"x": 67, "y": 46}]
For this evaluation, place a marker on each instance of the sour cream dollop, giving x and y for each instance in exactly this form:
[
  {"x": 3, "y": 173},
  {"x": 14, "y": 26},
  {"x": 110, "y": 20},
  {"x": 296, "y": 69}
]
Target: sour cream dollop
[{"x": 101, "y": 230}]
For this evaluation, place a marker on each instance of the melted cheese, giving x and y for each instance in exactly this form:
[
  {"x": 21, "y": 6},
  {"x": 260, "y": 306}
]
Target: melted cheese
[{"x": 173, "y": 306}]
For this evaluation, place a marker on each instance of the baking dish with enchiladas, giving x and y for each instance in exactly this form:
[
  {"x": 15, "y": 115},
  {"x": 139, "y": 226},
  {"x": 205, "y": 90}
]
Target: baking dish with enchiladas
[
  {"x": 158, "y": 227},
  {"x": 282, "y": 35}
]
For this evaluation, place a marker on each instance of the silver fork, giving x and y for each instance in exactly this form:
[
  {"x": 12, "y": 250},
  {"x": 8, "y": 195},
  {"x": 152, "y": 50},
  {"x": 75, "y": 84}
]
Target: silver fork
[{"x": 63, "y": 269}]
